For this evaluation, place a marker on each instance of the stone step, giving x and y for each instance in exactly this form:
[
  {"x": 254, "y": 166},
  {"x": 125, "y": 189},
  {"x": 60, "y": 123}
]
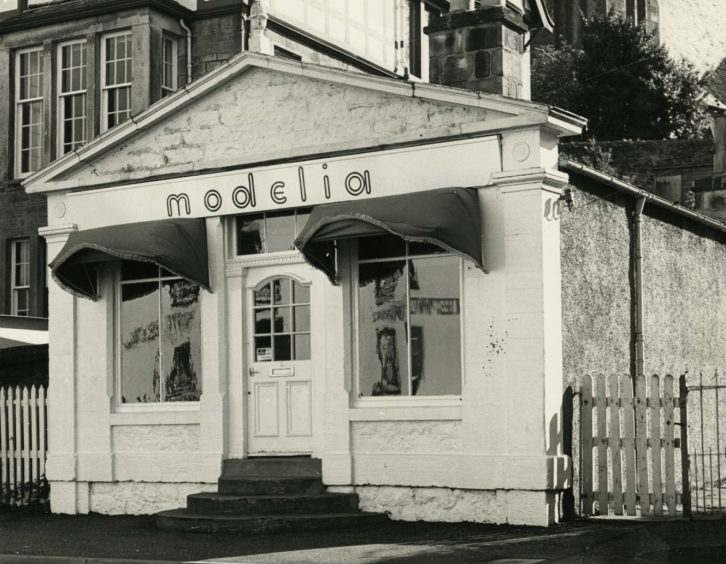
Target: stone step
[
  {"x": 282, "y": 466},
  {"x": 215, "y": 504},
  {"x": 269, "y": 485},
  {"x": 182, "y": 520}
]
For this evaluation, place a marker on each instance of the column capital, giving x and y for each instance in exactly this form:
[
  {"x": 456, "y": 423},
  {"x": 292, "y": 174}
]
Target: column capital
[
  {"x": 51, "y": 232},
  {"x": 537, "y": 178}
]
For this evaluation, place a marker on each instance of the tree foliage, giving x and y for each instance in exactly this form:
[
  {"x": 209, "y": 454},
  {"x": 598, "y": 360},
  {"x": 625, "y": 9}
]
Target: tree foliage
[{"x": 622, "y": 81}]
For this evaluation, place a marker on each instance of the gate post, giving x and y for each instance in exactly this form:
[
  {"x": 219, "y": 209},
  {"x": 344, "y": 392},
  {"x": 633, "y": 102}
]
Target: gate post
[{"x": 685, "y": 463}]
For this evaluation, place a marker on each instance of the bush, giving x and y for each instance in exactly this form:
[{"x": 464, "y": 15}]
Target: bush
[
  {"x": 623, "y": 82},
  {"x": 31, "y": 496}
]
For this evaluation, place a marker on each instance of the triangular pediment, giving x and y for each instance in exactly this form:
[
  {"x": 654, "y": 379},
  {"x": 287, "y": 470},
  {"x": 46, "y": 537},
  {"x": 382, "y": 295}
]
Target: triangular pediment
[{"x": 259, "y": 109}]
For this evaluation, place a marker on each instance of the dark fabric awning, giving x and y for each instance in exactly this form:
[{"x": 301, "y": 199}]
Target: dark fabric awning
[
  {"x": 178, "y": 245},
  {"x": 448, "y": 218}
]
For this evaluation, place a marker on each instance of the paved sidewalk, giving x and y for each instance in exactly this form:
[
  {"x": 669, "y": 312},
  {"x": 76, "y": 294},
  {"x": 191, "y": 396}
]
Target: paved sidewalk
[{"x": 98, "y": 539}]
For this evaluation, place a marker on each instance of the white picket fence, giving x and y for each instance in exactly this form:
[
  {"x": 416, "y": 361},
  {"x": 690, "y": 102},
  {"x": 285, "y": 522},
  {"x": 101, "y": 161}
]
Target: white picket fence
[{"x": 23, "y": 432}]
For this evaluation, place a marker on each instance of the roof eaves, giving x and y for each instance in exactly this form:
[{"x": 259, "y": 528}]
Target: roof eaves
[
  {"x": 594, "y": 174},
  {"x": 50, "y": 14}
]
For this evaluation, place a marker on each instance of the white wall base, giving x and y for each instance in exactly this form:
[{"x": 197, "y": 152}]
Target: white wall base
[
  {"x": 516, "y": 507},
  {"x": 121, "y": 498}
]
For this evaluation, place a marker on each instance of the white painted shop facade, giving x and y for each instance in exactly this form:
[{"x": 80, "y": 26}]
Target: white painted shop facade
[{"x": 433, "y": 391}]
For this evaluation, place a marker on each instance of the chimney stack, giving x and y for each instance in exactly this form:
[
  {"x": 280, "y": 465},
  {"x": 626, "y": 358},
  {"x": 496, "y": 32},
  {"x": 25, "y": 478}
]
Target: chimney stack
[{"x": 480, "y": 48}]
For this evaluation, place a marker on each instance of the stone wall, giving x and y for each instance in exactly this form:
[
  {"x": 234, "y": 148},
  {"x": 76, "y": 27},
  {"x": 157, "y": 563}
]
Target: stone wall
[
  {"x": 20, "y": 217},
  {"x": 141, "y": 498},
  {"x": 235, "y": 125},
  {"x": 684, "y": 294},
  {"x": 215, "y": 40}
]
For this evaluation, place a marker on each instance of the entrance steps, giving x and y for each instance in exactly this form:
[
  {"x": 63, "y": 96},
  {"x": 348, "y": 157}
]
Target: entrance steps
[{"x": 266, "y": 495}]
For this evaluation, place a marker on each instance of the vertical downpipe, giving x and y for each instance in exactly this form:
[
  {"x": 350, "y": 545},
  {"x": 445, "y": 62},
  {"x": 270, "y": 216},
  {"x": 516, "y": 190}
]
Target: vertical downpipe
[
  {"x": 638, "y": 282},
  {"x": 188, "y": 33}
]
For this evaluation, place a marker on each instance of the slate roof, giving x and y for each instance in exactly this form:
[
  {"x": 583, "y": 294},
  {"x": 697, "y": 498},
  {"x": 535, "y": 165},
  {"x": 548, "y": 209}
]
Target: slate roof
[{"x": 63, "y": 10}]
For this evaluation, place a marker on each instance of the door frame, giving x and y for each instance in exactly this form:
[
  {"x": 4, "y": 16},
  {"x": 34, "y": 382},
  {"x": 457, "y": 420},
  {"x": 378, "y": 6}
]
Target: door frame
[{"x": 298, "y": 270}]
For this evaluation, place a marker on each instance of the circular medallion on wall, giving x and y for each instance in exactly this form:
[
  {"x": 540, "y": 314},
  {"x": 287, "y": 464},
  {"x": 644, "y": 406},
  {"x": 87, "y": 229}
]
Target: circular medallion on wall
[
  {"x": 521, "y": 151},
  {"x": 60, "y": 210}
]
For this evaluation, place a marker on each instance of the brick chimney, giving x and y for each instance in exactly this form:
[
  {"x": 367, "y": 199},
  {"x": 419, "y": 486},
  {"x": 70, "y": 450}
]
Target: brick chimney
[{"x": 480, "y": 48}]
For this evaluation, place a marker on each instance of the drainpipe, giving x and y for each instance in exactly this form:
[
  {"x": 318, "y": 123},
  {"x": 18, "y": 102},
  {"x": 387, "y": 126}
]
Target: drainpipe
[
  {"x": 243, "y": 31},
  {"x": 638, "y": 282},
  {"x": 243, "y": 25},
  {"x": 189, "y": 49}
]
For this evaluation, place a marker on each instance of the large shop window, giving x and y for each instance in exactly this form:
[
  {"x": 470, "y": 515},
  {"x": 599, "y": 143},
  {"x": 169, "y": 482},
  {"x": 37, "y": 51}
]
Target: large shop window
[
  {"x": 160, "y": 336},
  {"x": 28, "y": 110},
  {"x": 409, "y": 319}
]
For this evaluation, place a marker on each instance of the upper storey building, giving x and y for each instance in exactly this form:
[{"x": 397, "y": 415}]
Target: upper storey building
[{"x": 73, "y": 69}]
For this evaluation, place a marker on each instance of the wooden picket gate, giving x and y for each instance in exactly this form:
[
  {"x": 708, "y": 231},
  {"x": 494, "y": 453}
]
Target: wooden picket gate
[
  {"x": 628, "y": 446},
  {"x": 23, "y": 432}
]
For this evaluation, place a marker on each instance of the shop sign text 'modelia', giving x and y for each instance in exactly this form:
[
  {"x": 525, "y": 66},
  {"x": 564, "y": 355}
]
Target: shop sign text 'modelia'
[
  {"x": 304, "y": 183},
  {"x": 244, "y": 196}
]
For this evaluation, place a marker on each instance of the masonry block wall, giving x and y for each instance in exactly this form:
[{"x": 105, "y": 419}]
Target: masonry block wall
[
  {"x": 684, "y": 294},
  {"x": 20, "y": 217},
  {"x": 215, "y": 40},
  {"x": 478, "y": 50}
]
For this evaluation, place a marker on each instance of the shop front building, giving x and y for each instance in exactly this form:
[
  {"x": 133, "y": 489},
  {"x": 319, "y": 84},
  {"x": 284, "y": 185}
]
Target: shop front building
[{"x": 285, "y": 259}]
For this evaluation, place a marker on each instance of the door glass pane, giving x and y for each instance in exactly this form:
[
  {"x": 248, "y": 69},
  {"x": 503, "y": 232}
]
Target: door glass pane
[
  {"x": 262, "y": 295},
  {"x": 282, "y": 320},
  {"x": 435, "y": 326},
  {"x": 181, "y": 345},
  {"x": 282, "y": 347},
  {"x": 302, "y": 347},
  {"x": 140, "y": 342},
  {"x": 302, "y": 318},
  {"x": 262, "y": 321},
  {"x": 263, "y": 349},
  {"x": 382, "y": 330},
  {"x": 281, "y": 290},
  {"x": 300, "y": 293}
]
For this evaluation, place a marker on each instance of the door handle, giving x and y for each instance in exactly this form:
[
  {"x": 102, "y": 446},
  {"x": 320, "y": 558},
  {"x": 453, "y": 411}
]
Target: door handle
[{"x": 252, "y": 372}]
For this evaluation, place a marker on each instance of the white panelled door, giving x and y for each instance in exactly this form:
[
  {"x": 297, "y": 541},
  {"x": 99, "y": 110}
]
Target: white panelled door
[{"x": 279, "y": 368}]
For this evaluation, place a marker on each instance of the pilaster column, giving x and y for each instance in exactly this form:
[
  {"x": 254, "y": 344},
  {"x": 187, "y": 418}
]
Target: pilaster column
[
  {"x": 61, "y": 471},
  {"x": 533, "y": 328},
  {"x": 213, "y": 407}
]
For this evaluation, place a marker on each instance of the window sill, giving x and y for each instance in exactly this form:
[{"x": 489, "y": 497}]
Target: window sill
[
  {"x": 413, "y": 409},
  {"x": 159, "y": 414}
]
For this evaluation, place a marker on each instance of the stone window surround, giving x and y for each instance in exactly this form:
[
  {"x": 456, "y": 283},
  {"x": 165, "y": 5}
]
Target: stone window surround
[
  {"x": 171, "y": 64},
  {"x": 15, "y": 262},
  {"x": 62, "y": 142},
  {"x": 110, "y": 87},
  {"x": 30, "y": 99}
]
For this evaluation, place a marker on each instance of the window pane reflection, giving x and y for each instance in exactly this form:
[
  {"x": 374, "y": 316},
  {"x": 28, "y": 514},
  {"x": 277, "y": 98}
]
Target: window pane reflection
[
  {"x": 382, "y": 329},
  {"x": 409, "y": 320},
  {"x": 140, "y": 343},
  {"x": 181, "y": 340},
  {"x": 435, "y": 326}
]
